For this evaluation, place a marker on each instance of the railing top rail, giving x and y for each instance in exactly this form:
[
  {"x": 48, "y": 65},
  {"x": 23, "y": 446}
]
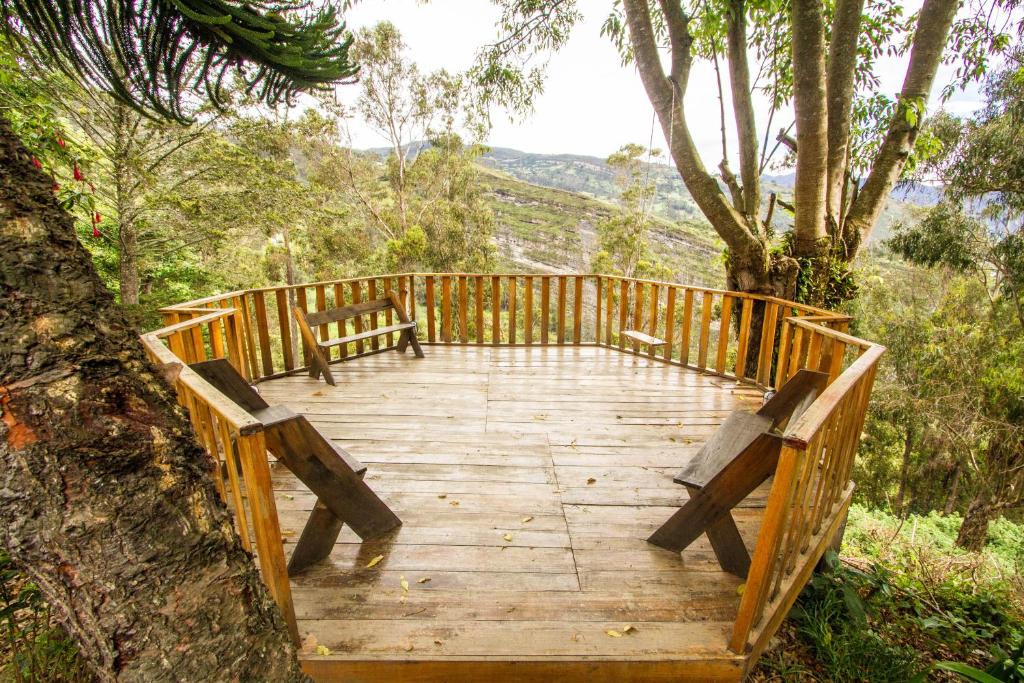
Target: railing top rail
[
  {"x": 218, "y": 402},
  {"x": 800, "y": 434},
  {"x": 213, "y": 314}
]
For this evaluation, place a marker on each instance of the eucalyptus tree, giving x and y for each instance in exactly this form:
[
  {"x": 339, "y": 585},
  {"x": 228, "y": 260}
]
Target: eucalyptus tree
[
  {"x": 106, "y": 500},
  {"x": 823, "y": 59}
]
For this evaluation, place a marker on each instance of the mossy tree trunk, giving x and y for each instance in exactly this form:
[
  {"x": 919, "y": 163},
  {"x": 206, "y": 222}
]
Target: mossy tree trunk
[{"x": 106, "y": 500}]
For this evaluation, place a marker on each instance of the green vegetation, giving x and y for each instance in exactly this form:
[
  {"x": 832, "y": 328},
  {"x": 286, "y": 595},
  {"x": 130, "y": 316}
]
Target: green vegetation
[{"x": 902, "y": 602}]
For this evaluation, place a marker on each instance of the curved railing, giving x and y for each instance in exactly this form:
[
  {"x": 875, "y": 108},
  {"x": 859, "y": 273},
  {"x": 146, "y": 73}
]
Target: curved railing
[{"x": 749, "y": 338}]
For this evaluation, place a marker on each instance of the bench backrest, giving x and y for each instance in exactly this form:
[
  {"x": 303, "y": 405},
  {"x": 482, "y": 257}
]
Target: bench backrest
[{"x": 333, "y": 315}]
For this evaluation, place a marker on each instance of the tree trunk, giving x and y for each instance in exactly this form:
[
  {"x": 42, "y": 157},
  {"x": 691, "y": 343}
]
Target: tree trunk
[
  {"x": 974, "y": 529},
  {"x": 908, "y": 449},
  {"x": 106, "y": 500},
  {"x": 128, "y": 262},
  {"x": 954, "y": 490}
]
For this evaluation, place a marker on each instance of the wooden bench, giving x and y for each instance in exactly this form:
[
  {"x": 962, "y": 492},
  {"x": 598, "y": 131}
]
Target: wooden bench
[
  {"x": 638, "y": 338},
  {"x": 327, "y": 470},
  {"x": 320, "y": 351},
  {"x": 740, "y": 456}
]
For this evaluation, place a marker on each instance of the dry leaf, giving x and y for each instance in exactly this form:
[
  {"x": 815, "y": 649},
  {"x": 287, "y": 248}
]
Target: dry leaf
[
  {"x": 740, "y": 588},
  {"x": 508, "y": 537},
  {"x": 317, "y": 393},
  {"x": 628, "y": 628},
  {"x": 443, "y": 496},
  {"x": 591, "y": 480},
  {"x": 323, "y": 650},
  {"x": 425, "y": 579},
  {"x": 405, "y": 585},
  {"x": 288, "y": 496},
  {"x": 575, "y": 637},
  {"x": 527, "y": 519},
  {"x": 408, "y": 647},
  {"x": 540, "y": 417},
  {"x": 374, "y": 562},
  {"x": 613, "y": 633},
  {"x": 510, "y": 610},
  {"x": 572, "y": 445},
  {"x": 437, "y": 641},
  {"x": 454, "y": 503}
]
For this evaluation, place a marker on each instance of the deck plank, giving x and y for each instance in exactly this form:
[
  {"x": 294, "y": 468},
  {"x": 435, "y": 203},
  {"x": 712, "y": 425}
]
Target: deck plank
[{"x": 526, "y": 479}]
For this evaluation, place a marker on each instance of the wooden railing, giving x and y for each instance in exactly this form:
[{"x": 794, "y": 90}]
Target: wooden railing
[{"x": 749, "y": 338}]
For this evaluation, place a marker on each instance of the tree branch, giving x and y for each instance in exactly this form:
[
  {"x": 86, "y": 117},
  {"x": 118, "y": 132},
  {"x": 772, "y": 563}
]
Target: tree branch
[
  {"x": 743, "y": 108},
  {"x": 842, "y": 71},
  {"x": 667, "y": 97},
  {"x": 933, "y": 27}
]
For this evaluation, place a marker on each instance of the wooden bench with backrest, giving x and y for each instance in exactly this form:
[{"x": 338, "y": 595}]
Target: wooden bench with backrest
[
  {"x": 334, "y": 476},
  {"x": 320, "y": 351},
  {"x": 740, "y": 456}
]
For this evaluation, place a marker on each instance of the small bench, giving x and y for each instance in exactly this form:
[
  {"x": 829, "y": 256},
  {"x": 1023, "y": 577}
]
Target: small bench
[
  {"x": 320, "y": 351},
  {"x": 639, "y": 338},
  {"x": 740, "y": 456}
]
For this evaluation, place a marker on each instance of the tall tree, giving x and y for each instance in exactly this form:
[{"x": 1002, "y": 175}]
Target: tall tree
[
  {"x": 815, "y": 56},
  {"x": 106, "y": 500}
]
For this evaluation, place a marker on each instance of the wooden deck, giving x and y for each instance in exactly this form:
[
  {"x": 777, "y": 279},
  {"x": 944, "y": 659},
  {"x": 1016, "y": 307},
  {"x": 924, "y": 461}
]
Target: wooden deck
[{"x": 527, "y": 480}]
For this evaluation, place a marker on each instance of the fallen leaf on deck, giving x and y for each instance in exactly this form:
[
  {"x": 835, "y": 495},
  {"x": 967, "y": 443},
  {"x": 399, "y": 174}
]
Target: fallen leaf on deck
[
  {"x": 289, "y": 496},
  {"x": 405, "y": 585},
  {"x": 527, "y": 519},
  {"x": 374, "y": 561},
  {"x": 425, "y": 579},
  {"x": 575, "y": 637},
  {"x": 323, "y": 650},
  {"x": 438, "y": 641},
  {"x": 508, "y": 537},
  {"x": 317, "y": 393},
  {"x": 510, "y": 610},
  {"x": 740, "y": 588},
  {"x": 443, "y": 496},
  {"x": 408, "y": 647},
  {"x": 591, "y": 481},
  {"x": 628, "y": 628},
  {"x": 309, "y": 644},
  {"x": 454, "y": 503},
  {"x": 572, "y": 445},
  {"x": 613, "y": 633},
  {"x": 540, "y": 417}
]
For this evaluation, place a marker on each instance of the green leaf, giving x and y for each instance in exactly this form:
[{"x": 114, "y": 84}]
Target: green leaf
[{"x": 967, "y": 671}]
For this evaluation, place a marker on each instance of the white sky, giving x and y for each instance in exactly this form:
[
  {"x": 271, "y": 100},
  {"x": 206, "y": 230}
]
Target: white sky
[{"x": 591, "y": 103}]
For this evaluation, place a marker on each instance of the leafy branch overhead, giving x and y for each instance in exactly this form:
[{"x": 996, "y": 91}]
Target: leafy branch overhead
[{"x": 153, "y": 54}]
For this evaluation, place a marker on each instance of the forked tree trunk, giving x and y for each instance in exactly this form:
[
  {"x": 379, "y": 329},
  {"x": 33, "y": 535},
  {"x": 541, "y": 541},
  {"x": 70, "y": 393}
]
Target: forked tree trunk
[{"x": 106, "y": 500}]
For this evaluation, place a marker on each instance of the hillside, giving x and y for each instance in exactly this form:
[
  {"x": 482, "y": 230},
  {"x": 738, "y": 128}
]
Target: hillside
[
  {"x": 547, "y": 229},
  {"x": 591, "y": 177}
]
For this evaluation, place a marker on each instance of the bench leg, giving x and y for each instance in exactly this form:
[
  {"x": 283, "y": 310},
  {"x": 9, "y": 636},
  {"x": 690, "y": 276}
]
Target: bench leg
[
  {"x": 317, "y": 539},
  {"x": 727, "y": 543},
  {"x": 415, "y": 343}
]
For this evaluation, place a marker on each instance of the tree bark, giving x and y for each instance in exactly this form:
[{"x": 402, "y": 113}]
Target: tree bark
[
  {"x": 974, "y": 529},
  {"x": 839, "y": 86},
  {"x": 809, "y": 102},
  {"x": 954, "y": 490},
  {"x": 743, "y": 103},
  {"x": 106, "y": 500},
  {"x": 908, "y": 449},
  {"x": 128, "y": 262}
]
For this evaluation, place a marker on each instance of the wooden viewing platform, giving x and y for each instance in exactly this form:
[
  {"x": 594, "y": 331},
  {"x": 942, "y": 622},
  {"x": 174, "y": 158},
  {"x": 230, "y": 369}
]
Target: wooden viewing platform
[{"x": 529, "y": 455}]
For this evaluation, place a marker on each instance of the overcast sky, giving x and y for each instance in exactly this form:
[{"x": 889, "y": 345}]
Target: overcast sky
[{"x": 591, "y": 103}]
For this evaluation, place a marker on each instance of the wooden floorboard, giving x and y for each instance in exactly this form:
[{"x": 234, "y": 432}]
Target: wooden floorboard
[{"x": 527, "y": 480}]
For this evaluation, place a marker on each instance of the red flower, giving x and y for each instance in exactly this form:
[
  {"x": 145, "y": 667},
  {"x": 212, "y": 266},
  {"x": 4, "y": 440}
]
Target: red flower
[
  {"x": 78, "y": 173},
  {"x": 60, "y": 140},
  {"x": 56, "y": 187},
  {"x": 96, "y": 218},
  {"x": 95, "y": 231},
  {"x": 37, "y": 163}
]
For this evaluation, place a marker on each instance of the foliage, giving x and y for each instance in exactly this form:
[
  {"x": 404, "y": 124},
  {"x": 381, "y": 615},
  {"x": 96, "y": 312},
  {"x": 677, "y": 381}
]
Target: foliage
[
  {"x": 623, "y": 238},
  {"x": 896, "y": 614},
  {"x": 156, "y": 51},
  {"x": 32, "y": 648}
]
